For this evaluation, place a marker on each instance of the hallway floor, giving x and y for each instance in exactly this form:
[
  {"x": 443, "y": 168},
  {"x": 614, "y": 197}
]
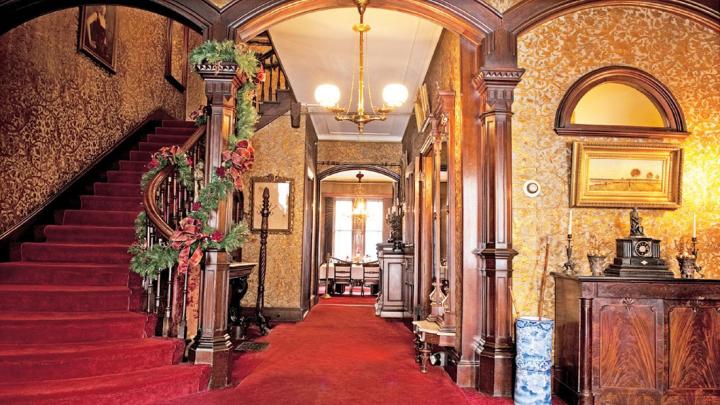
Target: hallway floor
[{"x": 341, "y": 354}]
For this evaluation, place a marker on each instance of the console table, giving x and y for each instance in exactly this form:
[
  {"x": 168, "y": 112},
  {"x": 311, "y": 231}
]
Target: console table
[{"x": 637, "y": 341}]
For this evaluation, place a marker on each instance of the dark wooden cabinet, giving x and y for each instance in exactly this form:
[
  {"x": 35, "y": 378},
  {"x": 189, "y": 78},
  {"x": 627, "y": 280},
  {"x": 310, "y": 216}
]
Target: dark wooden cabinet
[{"x": 635, "y": 341}]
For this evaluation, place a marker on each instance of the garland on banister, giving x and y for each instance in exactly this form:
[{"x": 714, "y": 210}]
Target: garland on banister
[{"x": 193, "y": 235}]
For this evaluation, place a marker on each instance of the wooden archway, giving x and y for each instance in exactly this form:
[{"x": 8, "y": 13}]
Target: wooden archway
[
  {"x": 645, "y": 83},
  {"x": 198, "y": 15},
  {"x": 353, "y": 167}
]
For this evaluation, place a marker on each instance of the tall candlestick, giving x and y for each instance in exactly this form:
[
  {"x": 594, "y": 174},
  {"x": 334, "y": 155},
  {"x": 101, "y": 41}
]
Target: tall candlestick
[
  {"x": 694, "y": 231},
  {"x": 570, "y": 219}
]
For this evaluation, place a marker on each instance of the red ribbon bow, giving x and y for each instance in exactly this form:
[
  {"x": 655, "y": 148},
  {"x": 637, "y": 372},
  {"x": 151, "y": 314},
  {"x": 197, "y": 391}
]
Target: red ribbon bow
[
  {"x": 241, "y": 160},
  {"x": 189, "y": 232}
]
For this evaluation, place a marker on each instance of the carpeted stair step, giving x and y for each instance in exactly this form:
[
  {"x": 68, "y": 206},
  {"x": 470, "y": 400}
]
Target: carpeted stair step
[
  {"x": 38, "y": 273},
  {"x": 89, "y": 233},
  {"x": 178, "y": 124},
  {"x": 138, "y": 387},
  {"x": 151, "y": 147},
  {"x": 110, "y": 203},
  {"x": 68, "y": 327},
  {"x": 140, "y": 156},
  {"x": 118, "y": 189},
  {"x": 174, "y": 130},
  {"x": 99, "y": 218},
  {"x": 75, "y": 252},
  {"x": 23, "y": 363},
  {"x": 168, "y": 140},
  {"x": 124, "y": 176},
  {"x": 68, "y": 298},
  {"x": 134, "y": 166}
]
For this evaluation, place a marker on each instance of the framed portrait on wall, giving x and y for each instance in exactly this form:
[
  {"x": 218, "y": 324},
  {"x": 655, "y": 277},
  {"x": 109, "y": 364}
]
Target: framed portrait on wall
[
  {"x": 422, "y": 107},
  {"x": 626, "y": 175},
  {"x": 176, "y": 54},
  {"x": 280, "y": 203},
  {"x": 97, "y": 34}
]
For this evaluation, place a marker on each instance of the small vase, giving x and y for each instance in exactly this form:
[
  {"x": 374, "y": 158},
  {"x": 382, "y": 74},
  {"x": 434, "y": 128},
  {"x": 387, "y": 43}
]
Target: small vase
[
  {"x": 597, "y": 264},
  {"x": 533, "y": 360}
]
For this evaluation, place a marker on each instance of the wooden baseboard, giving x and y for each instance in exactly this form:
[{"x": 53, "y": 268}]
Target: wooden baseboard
[
  {"x": 278, "y": 314},
  {"x": 67, "y": 197}
]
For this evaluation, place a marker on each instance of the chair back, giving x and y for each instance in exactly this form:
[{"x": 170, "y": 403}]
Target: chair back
[
  {"x": 371, "y": 271},
  {"x": 343, "y": 271}
]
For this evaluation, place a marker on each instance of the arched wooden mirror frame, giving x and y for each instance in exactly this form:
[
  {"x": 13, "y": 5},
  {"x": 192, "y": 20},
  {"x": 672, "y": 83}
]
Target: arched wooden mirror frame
[{"x": 653, "y": 89}]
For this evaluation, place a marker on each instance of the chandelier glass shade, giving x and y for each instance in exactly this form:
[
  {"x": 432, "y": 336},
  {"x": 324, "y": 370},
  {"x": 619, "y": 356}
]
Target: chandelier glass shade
[{"x": 328, "y": 95}]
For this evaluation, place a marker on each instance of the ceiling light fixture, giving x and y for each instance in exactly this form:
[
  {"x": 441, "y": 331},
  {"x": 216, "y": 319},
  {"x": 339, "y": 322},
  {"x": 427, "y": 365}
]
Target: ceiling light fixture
[{"x": 328, "y": 95}]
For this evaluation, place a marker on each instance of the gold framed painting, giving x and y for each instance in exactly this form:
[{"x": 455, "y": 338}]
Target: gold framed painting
[
  {"x": 422, "y": 107},
  {"x": 97, "y": 35},
  {"x": 280, "y": 203},
  {"x": 176, "y": 56},
  {"x": 626, "y": 175}
]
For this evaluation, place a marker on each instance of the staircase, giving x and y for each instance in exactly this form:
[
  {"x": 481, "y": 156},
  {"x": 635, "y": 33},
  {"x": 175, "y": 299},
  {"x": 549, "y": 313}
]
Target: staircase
[{"x": 72, "y": 330}]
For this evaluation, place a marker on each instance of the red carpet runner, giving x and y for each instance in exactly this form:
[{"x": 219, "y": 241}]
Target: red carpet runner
[
  {"x": 341, "y": 354},
  {"x": 70, "y": 333}
]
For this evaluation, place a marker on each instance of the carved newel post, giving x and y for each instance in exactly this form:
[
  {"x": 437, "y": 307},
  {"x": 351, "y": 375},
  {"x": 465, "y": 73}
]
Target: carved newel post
[
  {"x": 213, "y": 344},
  {"x": 495, "y": 346}
]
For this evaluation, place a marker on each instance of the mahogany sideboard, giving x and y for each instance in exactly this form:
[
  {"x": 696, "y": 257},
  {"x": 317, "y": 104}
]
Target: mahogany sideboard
[{"x": 637, "y": 341}]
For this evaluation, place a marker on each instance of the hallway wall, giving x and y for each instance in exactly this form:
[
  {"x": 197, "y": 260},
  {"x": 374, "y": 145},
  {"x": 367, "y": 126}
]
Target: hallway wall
[
  {"x": 680, "y": 53},
  {"x": 61, "y": 110},
  {"x": 377, "y": 153},
  {"x": 279, "y": 150}
]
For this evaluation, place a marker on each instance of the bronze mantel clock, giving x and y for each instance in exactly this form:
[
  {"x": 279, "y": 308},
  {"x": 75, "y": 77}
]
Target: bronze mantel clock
[{"x": 638, "y": 255}]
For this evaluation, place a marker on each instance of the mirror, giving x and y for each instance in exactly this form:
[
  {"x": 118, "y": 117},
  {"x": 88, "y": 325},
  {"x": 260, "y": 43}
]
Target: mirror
[{"x": 281, "y": 203}]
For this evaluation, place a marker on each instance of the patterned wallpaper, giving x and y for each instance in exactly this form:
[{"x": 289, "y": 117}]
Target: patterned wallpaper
[
  {"x": 60, "y": 110},
  {"x": 359, "y": 152},
  {"x": 685, "y": 56},
  {"x": 279, "y": 150},
  {"x": 502, "y": 5}
]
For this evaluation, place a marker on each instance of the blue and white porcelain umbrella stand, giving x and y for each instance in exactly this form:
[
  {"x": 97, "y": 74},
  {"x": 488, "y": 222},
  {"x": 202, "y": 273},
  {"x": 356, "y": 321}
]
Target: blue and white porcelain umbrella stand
[{"x": 533, "y": 361}]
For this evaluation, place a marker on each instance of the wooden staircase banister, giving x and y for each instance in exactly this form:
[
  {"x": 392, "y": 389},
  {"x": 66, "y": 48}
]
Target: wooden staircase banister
[{"x": 149, "y": 195}]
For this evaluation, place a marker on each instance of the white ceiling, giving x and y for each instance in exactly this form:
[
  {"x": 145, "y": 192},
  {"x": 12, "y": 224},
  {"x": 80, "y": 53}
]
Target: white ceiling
[
  {"x": 349, "y": 176},
  {"x": 321, "y": 47}
]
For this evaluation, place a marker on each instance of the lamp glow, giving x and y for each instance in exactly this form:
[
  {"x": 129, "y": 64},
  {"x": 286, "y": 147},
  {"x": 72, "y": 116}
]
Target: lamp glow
[
  {"x": 327, "y": 95},
  {"x": 395, "y": 95}
]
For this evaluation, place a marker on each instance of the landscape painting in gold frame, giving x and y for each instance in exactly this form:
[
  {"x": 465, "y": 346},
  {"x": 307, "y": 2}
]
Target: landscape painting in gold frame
[{"x": 626, "y": 175}]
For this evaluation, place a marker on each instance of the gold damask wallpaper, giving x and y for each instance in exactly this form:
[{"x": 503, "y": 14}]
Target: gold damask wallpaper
[
  {"x": 359, "y": 152},
  {"x": 279, "y": 150},
  {"x": 60, "y": 110},
  {"x": 502, "y": 5},
  {"x": 685, "y": 56}
]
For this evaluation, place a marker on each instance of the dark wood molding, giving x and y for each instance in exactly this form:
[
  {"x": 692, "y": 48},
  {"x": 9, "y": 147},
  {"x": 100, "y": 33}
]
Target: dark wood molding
[
  {"x": 358, "y": 166},
  {"x": 68, "y": 196},
  {"x": 197, "y": 15},
  {"x": 653, "y": 89},
  {"x": 469, "y": 18},
  {"x": 530, "y": 13},
  {"x": 495, "y": 347}
]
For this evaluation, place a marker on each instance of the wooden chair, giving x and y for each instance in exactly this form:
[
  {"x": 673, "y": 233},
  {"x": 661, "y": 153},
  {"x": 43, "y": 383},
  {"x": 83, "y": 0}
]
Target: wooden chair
[
  {"x": 343, "y": 275},
  {"x": 371, "y": 277}
]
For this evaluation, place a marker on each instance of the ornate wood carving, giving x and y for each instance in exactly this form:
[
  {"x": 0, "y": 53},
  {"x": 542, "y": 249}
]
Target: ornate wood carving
[
  {"x": 652, "y": 341},
  {"x": 495, "y": 347},
  {"x": 664, "y": 101}
]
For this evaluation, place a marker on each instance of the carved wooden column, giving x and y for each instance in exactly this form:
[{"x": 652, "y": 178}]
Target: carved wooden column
[
  {"x": 212, "y": 344},
  {"x": 495, "y": 346}
]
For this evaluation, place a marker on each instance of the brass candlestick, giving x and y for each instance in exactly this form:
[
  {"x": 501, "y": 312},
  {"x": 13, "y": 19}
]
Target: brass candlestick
[
  {"x": 694, "y": 252},
  {"x": 569, "y": 266}
]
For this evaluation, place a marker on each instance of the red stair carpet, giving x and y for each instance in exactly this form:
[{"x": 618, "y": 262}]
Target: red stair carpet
[
  {"x": 72, "y": 330},
  {"x": 341, "y": 354}
]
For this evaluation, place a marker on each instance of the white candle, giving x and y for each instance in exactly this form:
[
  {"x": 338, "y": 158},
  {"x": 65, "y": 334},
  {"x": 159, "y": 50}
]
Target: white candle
[
  {"x": 694, "y": 232},
  {"x": 570, "y": 223}
]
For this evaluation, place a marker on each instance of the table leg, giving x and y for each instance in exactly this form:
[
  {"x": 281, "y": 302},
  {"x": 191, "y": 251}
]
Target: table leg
[{"x": 424, "y": 357}]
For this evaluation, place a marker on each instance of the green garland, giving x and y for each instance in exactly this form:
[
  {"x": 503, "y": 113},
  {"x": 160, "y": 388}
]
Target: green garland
[{"x": 148, "y": 262}]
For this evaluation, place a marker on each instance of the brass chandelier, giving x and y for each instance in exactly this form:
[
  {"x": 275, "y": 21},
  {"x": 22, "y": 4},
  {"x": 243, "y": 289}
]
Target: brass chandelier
[{"x": 328, "y": 95}]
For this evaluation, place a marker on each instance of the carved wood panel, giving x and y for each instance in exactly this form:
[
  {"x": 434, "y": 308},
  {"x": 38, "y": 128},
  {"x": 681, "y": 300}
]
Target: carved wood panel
[
  {"x": 627, "y": 344},
  {"x": 694, "y": 347},
  {"x": 622, "y": 398}
]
